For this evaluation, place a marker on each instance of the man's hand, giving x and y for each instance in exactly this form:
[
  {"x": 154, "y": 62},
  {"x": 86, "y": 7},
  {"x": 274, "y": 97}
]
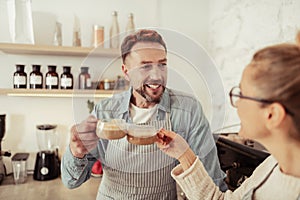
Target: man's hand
[{"x": 83, "y": 137}]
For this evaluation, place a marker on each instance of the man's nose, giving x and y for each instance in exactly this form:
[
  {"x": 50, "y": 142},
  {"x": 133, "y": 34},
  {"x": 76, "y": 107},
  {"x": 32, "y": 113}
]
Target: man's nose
[{"x": 155, "y": 73}]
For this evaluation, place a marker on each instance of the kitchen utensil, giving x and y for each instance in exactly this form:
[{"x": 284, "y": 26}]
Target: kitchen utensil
[
  {"x": 47, "y": 163},
  {"x": 19, "y": 165}
]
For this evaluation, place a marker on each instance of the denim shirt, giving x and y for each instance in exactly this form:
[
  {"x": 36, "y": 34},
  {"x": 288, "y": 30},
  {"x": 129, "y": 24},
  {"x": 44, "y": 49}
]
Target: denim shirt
[{"x": 187, "y": 119}]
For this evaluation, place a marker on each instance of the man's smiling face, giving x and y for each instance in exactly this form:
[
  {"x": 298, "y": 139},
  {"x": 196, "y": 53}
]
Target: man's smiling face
[{"x": 146, "y": 69}]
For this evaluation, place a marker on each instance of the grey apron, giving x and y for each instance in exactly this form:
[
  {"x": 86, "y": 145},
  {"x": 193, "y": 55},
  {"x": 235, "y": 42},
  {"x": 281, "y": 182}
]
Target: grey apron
[{"x": 137, "y": 171}]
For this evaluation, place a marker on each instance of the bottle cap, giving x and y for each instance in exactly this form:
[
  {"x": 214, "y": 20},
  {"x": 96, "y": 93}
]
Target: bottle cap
[
  {"x": 20, "y": 67},
  {"x": 36, "y": 67},
  {"x": 84, "y": 69},
  {"x": 98, "y": 27},
  {"x": 114, "y": 13},
  {"x": 66, "y": 69},
  {"x": 51, "y": 68}
]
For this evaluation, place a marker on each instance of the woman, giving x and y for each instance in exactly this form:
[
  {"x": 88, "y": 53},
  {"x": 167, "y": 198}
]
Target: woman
[{"x": 268, "y": 104}]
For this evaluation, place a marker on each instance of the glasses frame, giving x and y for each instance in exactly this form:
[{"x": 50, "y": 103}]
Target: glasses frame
[{"x": 253, "y": 99}]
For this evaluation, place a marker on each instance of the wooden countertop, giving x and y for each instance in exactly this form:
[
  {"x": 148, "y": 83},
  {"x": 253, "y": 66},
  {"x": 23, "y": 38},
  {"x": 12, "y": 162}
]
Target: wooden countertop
[{"x": 52, "y": 189}]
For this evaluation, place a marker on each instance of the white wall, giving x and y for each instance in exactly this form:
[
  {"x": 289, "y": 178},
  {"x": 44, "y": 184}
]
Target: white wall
[{"x": 239, "y": 28}]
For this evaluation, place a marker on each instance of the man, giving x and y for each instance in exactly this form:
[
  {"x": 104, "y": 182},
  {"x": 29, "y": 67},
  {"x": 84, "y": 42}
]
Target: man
[{"x": 140, "y": 171}]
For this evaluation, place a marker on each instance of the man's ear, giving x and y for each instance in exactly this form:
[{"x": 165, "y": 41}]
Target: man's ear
[
  {"x": 125, "y": 72},
  {"x": 275, "y": 114}
]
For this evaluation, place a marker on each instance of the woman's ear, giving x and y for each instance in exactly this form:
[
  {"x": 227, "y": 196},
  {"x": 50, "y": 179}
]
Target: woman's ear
[{"x": 275, "y": 114}]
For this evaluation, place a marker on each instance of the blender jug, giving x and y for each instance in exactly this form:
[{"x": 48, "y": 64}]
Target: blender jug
[{"x": 47, "y": 162}]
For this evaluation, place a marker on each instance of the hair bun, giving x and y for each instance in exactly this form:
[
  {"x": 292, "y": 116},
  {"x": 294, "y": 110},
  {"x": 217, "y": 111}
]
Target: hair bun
[{"x": 298, "y": 38}]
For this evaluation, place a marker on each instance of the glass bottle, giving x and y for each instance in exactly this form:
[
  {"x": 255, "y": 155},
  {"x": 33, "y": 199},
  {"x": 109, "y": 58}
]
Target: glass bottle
[
  {"x": 66, "y": 78},
  {"x": 130, "y": 27},
  {"x": 114, "y": 37},
  {"x": 85, "y": 79},
  {"x": 76, "y": 32},
  {"x": 51, "y": 78},
  {"x": 20, "y": 77},
  {"x": 36, "y": 77},
  {"x": 121, "y": 83}
]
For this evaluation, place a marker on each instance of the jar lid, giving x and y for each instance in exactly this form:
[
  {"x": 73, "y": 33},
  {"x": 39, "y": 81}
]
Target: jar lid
[
  {"x": 36, "y": 67},
  {"x": 20, "y": 67},
  {"x": 51, "y": 67},
  {"x": 84, "y": 69},
  {"x": 98, "y": 27},
  {"x": 20, "y": 157},
  {"x": 46, "y": 127},
  {"x": 66, "y": 68}
]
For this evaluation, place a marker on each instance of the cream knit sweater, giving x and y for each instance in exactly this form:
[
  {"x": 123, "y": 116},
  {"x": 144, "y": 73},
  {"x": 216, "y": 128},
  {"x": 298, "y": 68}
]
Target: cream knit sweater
[{"x": 196, "y": 183}]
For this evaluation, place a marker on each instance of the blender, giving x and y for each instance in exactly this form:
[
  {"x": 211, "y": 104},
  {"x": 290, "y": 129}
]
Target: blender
[{"x": 47, "y": 164}]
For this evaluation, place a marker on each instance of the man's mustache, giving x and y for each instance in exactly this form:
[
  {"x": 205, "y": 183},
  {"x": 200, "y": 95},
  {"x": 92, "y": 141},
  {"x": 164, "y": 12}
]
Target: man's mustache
[{"x": 154, "y": 82}]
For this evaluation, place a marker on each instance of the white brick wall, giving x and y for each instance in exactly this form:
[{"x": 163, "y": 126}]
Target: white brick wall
[{"x": 238, "y": 28}]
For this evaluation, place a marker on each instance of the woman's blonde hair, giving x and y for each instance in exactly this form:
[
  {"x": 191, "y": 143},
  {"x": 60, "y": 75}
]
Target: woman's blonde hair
[{"x": 277, "y": 76}]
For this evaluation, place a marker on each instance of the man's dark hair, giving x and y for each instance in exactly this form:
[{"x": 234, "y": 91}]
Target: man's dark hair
[{"x": 143, "y": 35}]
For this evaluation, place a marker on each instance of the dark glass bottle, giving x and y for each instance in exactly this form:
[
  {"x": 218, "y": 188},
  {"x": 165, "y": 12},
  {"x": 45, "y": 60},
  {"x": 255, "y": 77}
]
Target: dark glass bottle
[
  {"x": 66, "y": 78},
  {"x": 85, "y": 79},
  {"x": 36, "y": 77},
  {"x": 20, "y": 77},
  {"x": 51, "y": 78}
]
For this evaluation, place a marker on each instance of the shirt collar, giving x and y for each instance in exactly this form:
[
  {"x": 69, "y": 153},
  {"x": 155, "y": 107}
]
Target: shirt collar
[{"x": 163, "y": 105}]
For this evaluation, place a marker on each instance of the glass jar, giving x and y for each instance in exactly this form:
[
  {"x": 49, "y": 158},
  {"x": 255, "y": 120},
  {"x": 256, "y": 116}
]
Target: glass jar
[
  {"x": 66, "y": 78},
  {"x": 51, "y": 78},
  {"x": 98, "y": 36},
  {"x": 20, "y": 77},
  {"x": 36, "y": 77},
  {"x": 85, "y": 79}
]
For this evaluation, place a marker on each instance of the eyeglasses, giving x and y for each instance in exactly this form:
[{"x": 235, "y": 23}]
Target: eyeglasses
[{"x": 236, "y": 94}]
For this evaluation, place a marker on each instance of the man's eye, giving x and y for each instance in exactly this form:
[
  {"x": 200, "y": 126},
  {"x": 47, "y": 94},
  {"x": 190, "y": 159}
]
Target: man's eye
[
  {"x": 146, "y": 67},
  {"x": 162, "y": 65}
]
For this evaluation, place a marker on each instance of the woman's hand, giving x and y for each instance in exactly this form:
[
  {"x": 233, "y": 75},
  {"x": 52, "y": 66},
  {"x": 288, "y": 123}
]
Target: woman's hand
[{"x": 171, "y": 143}]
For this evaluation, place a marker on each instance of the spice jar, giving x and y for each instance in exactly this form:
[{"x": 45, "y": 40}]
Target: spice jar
[
  {"x": 98, "y": 35},
  {"x": 66, "y": 78},
  {"x": 20, "y": 77},
  {"x": 108, "y": 84},
  {"x": 85, "y": 79},
  {"x": 51, "y": 78},
  {"x": 36, "y": 77}
]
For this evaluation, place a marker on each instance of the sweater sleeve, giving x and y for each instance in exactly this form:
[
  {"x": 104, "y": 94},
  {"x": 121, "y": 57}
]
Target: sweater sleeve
[{"x": 197, "y": 184}]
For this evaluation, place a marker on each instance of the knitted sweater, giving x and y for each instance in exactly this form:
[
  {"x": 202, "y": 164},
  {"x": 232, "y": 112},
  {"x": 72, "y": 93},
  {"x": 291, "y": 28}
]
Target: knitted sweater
[{"x": 198, "y": 185}]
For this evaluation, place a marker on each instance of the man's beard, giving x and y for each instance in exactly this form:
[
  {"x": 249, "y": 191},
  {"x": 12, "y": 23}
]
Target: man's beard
[{"x": 142, "y": 91}]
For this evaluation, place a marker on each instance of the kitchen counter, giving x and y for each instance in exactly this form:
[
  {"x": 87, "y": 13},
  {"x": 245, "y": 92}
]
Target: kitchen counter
[{"x": 52, "y": 189}]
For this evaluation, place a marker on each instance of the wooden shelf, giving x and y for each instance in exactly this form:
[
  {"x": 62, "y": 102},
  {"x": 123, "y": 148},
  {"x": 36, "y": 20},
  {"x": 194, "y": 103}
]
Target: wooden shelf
[
  {"x": 58, "y": 93},
  {"x": 57, "y": 50}
]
